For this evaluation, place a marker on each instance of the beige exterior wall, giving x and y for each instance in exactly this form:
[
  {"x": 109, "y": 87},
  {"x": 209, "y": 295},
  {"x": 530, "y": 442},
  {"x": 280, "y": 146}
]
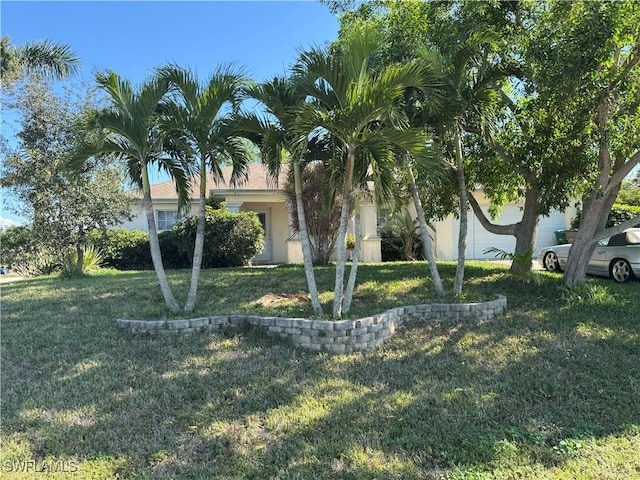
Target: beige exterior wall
[
  {"x": 139, "y": 220},
  {"x": 370, "y": 247},
  {"x": 278, "y": 227},
  {"x": 371, "y": 244}
]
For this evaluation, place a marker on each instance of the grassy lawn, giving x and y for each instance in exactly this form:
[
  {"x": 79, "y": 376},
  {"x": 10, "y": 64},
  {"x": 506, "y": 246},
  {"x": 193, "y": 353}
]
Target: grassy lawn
[{"x": 551, "y": 389}]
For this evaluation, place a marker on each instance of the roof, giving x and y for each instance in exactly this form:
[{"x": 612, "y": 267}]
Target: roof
[{"x": 257, "y": 181}]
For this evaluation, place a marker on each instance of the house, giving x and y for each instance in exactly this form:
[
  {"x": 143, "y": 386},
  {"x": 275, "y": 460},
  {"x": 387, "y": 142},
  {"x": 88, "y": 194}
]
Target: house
[
  {"x": 260, "y": 195},
  {"x": 478, "y": 239}
]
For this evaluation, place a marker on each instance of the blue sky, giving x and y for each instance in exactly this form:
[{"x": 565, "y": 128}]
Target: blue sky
[{"x": 132, "y": 38}]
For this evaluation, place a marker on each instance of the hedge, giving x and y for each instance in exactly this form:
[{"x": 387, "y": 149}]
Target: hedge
[
  {"x": 231, "y": 239},
  {"x": 619, "y": 213}
]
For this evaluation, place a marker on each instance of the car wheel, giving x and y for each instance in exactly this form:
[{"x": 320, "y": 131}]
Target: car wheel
[
  {"x": 620, "y": 270},
  {"x": 550, "y": 262}
]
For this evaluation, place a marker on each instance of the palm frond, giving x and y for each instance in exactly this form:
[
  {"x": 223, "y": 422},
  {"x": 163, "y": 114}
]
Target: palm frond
[{"x": 47, "y": 58}]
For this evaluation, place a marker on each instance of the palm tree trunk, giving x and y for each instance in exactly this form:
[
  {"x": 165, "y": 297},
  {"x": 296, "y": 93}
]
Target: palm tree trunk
[
  {"x": 351, "y": 283},
  {"x": 341, "y": 247},
  {"x": 199, "y": 243},
  {"x": 304, "y": 239},
  {"x": 424, "y": 234},
  {"x": 154, "y": 244},
  {"x": 464, "y": 222}
]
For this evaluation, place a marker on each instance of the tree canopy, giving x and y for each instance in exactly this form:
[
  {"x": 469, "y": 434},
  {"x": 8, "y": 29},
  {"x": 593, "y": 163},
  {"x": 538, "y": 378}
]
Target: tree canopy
[{"x": 63, "y": 208}]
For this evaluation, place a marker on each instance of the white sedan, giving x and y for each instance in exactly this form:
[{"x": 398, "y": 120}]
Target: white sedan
[{"x": 617, "y": 257}]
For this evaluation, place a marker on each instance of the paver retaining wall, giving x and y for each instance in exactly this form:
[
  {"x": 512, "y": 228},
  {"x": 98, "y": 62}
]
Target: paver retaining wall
[{"x": 334, "y": 336}]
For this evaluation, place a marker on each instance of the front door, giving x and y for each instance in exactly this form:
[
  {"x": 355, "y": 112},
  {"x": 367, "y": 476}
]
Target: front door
[{"x": 267, "y": 254}]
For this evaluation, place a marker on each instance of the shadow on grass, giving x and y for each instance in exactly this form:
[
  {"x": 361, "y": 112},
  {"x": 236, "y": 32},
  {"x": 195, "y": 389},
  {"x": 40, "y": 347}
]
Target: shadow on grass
[{"x": 523, "y": 390}]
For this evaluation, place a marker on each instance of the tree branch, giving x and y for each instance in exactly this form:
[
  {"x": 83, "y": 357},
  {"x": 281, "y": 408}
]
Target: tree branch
[
  {"x": 499, "y": 149},
  {"x": 484, "y": 221},
  {"x": 631, "y": 62},
  {"x": 611, "y": 231},
  {"x": 620, "y": 173}
]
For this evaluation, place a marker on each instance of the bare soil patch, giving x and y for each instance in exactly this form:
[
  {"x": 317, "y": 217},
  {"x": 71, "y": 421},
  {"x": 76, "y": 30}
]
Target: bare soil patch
[{"x": 275, "y": 298}]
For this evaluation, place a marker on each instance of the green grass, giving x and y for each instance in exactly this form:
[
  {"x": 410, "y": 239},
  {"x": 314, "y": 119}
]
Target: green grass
[{"x": 551, "y": 389}]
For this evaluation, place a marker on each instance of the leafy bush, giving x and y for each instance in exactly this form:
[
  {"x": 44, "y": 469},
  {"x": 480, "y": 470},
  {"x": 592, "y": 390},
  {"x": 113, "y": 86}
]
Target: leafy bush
[
  {"x": 91, "y": 262},
  {"x": 231, "y": 239},
  {"x": 393, "y": 247},
  {"x": 630, "y": 192},
  {"x": 35, "y": 263},
  {"x": 173, "y": 255},
  {"x": 619, "y": 213},
  {"x": 123, "y": 249},
  {"x": 92, "y": 259},
  {"x": 522, "y": 261},
  {"x": 15, "y": 242},
  {"x": 20, "y": 253}
]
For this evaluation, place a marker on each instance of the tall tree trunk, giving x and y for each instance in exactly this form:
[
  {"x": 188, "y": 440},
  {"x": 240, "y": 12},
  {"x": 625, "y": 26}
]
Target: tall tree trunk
[
  {"x": 526, "y": 234},
  {"x": 154, "y": 244},
  {"x": 304, "y": 239},
  {"x": 199, "y": 243},
  {"x": 341, "y": 247},
  {"x": 524, "y": 231},
  {"x": 79, "y": 259},
  {"x": 464, "y": 223},
  {"x": 595, "y": 211},
  {"x": 585, "y": 242},
  {"x": 424, "y": 235},
  {"x": 351, "y": 283},
  {"x": 597, "y": 205}
]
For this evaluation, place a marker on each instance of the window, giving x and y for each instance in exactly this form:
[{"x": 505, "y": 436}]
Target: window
[{"x": 166, "y": 219}]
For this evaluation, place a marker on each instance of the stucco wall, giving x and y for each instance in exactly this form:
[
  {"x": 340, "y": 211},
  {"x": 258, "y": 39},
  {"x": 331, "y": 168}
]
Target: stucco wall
[{"x": 279, "y": 219}]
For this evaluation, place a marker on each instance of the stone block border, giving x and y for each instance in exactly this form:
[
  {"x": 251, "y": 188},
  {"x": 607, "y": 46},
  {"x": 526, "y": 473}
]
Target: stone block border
[{"x": 334, "y": 336}]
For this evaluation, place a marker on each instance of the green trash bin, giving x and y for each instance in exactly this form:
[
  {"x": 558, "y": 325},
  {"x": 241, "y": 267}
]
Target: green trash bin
[{"x": 561, "y": 237}]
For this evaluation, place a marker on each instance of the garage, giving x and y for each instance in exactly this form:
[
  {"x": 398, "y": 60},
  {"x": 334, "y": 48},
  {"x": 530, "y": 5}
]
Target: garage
[{"x": 479, "y": 239}]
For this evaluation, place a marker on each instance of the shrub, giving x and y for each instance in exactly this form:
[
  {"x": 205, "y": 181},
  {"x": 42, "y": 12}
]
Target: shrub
[
  {"x": 322, "y": 205},
  {"x": 123, "y": 249},
  {"x": 393, "y": 247},
  {"x": 173, "y": 255},
  {"x": 231, "y": 239},
  {"x": 619, "y": 213},
  {"x": 92, "y": 260},
  {"x": 15, "y": 243},
  {"x": 22, "y": 254}
]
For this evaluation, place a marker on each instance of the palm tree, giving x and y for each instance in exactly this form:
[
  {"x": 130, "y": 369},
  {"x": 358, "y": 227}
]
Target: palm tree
[
  {"x": 427, "y": 246},
  {"x": 201, "y": 118},
  {"x": 470, "y": 93},
  {"x": 45, "y": 58},
  {"x": 282, "y": 97},
  {"x": 131, "y": 128},
  {"x": 359, "y": 110}
]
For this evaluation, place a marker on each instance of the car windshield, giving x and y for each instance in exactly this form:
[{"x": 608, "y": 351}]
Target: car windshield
[{"x": 633, "y": 236}]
